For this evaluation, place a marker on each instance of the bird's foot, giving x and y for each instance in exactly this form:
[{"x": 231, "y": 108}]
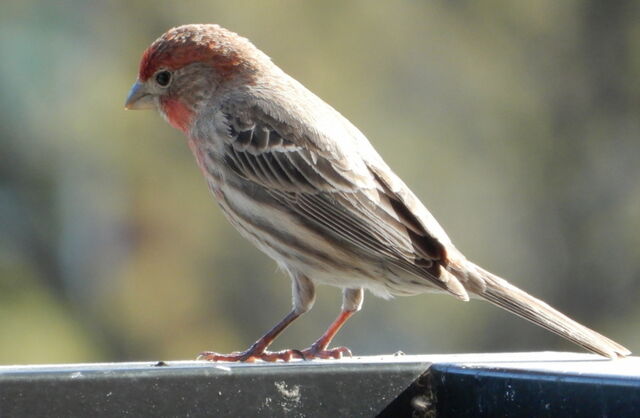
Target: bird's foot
[
  {"x": 322, "y": 353},
  {"x": 251, "y": 356}
]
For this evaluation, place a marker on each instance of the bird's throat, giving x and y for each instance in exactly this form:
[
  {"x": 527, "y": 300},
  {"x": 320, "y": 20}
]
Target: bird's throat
[{"x": 178, "y": 114}]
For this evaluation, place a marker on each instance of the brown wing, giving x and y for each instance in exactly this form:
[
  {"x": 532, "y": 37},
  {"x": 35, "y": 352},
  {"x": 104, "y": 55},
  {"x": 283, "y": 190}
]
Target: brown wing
[{"x": 350, "y": 204}]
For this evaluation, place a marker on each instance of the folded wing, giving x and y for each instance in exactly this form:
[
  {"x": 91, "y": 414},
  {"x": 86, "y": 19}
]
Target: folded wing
[{"x": 352, "y": 204}]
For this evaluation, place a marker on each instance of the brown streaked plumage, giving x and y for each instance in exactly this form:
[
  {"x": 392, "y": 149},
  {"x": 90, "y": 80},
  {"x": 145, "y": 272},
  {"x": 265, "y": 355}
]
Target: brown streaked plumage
[{"x": 306, "y": 187}]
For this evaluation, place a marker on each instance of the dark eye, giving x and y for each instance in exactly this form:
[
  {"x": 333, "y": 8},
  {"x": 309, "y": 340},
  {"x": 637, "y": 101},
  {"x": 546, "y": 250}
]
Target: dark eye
[{"x": 163, "y": 78}]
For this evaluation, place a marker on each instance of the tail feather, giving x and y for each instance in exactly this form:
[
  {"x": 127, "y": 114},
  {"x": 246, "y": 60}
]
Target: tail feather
[{"x": 499, "y": 292}]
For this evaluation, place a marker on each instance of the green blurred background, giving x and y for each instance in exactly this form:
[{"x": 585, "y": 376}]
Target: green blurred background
[{"x": 517, "y": 123}]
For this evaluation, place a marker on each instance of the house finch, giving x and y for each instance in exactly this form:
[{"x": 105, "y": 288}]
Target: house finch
[{"x": 305, "y": 186}]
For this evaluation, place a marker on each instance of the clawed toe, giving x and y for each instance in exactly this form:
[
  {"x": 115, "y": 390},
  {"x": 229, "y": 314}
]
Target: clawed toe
[
  {"x": 273, "y": 356},
  {"x": 334, "y": 353},
  {"x": 231, "y": 357},
  {"x": 250, "y": 357}
]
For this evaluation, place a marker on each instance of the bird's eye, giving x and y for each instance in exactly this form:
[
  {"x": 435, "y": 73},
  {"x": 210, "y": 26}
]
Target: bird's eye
[{"x": 163, "y": 78}]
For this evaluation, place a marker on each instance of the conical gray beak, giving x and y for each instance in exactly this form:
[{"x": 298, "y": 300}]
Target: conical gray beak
[{"x": 139, "y": 98}]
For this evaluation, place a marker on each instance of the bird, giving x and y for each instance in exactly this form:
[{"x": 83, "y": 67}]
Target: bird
[{"x": 306, "y": 187}]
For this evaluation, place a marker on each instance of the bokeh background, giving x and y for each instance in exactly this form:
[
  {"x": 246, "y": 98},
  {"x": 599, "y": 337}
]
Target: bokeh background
[{"x": 517, "y": 123}]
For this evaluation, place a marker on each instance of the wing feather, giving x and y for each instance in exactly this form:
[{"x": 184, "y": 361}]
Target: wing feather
[{"x": 355, "y": 206}]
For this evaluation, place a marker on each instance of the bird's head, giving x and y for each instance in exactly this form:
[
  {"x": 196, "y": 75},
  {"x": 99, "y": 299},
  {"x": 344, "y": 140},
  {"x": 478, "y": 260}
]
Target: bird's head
[{"x": 186, "y": 66}]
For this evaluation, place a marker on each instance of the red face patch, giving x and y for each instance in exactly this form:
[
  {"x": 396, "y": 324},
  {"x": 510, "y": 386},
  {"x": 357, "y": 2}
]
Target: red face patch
[{"x": 178, "y": 114}]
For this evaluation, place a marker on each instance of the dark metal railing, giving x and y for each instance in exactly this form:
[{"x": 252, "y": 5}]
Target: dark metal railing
[{"x": 492, "y": 385}]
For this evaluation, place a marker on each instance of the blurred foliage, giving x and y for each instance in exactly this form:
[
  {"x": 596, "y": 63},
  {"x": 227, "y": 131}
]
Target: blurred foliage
[{"x": 516, "y": 122}]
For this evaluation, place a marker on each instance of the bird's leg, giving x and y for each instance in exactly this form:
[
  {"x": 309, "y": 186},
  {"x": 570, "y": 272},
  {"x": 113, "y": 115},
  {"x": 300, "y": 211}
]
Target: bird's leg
[
  {"x": 303, "y": 298},
  {"x": 351, "y": 303},
  {"x": 257, "y": 349}
]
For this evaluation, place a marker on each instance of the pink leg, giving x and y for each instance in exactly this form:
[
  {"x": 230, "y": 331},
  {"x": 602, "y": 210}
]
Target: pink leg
[
  {"x": 258, "y": 350},
  {"x": 303, "y": 287},
  {"x": 319, "y": 348}
]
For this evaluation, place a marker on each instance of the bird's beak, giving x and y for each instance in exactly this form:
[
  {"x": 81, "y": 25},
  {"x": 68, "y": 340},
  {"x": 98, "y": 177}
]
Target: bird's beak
[{"x": 139, "y": 98}]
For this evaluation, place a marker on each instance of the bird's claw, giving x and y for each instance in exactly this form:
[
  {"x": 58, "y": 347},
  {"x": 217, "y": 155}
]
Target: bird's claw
[
  {"x": 273, "y": 356},
  {"x": 334, "y": 353},
  {"x": 251, "y": 357}
]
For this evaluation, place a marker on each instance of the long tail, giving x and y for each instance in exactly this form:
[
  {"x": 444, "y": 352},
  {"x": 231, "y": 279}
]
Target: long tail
[{"x": 499, "y": 292}]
